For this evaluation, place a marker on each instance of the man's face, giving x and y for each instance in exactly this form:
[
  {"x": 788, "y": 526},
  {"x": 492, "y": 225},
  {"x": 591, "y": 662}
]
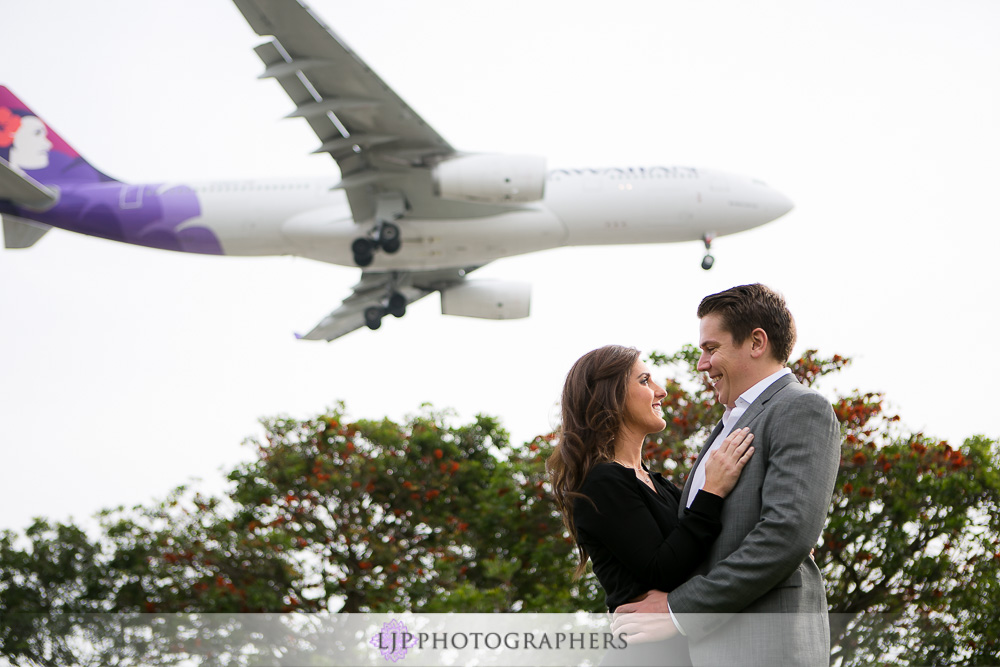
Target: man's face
[{"x": 727, "y": 364}]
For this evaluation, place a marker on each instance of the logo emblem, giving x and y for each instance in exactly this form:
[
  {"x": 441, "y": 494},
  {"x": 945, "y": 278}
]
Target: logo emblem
[{"x": 393, "y": 640}]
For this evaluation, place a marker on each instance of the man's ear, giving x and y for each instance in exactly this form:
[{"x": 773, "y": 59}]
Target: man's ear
[{"x": 758, "y": 343}]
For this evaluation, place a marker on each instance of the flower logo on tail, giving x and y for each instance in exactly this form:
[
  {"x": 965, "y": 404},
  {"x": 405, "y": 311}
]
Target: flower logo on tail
[{"x": 9, "y": 125}]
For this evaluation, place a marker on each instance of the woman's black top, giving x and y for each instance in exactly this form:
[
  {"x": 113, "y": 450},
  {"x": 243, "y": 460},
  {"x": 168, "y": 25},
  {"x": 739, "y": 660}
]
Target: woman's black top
[{"x": 634, "y": 537}]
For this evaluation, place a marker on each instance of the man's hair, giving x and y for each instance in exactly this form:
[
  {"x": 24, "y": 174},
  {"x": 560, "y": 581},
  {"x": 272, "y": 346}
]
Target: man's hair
[{"x": 747, "y": 307}]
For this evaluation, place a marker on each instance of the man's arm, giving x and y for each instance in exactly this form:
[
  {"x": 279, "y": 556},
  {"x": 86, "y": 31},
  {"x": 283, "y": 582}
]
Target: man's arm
[{"x": 803, "y": 457}]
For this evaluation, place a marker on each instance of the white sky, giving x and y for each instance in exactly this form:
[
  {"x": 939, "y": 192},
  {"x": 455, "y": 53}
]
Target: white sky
[{"x": 125, "y": 371}]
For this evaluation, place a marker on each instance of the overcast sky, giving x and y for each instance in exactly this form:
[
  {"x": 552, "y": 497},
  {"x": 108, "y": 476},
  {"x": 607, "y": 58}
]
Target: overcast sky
[{"x": 125, "y": 371}]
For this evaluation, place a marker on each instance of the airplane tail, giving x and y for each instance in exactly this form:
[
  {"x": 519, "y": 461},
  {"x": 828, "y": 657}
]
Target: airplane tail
[{"x": 30, "y": 147}]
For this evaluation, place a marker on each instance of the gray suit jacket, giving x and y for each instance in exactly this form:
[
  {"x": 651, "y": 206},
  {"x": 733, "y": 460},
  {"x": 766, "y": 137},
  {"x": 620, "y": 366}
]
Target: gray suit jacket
[{"x": 771, "y": 520}]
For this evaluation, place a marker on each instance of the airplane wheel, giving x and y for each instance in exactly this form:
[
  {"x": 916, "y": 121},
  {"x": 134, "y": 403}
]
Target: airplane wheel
[
  {"x": 364, "y": 251},
  {"x": 397, "y": 305},
  {"x": 707, "y": 262},
  {"x": 389, "y": 238},
  {"x": 373, "y": 317}
]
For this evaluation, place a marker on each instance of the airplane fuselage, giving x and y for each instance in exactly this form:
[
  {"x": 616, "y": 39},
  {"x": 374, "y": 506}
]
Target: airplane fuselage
[{"x": 313, "y": 218}]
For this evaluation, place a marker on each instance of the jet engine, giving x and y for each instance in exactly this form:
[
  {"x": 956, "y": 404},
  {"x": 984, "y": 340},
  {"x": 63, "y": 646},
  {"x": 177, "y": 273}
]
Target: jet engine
[
  {"x": 491, "y": 179},
  {"x": 487, "y": 299}
]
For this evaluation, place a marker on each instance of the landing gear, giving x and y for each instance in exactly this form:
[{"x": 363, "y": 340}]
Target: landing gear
[
  {"x": 395, "y": 305},
  {"x": 373, "y": 317},
  {"x": 707, "y": 261},
  {"x": 385, "y": 236},
  {"x": 364, "y": 251},
  {"x": 388, "y": 237}
]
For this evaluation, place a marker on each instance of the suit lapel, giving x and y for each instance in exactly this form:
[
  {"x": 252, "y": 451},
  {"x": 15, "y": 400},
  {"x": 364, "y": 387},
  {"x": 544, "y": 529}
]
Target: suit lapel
[{"x": 757, "y": 406}]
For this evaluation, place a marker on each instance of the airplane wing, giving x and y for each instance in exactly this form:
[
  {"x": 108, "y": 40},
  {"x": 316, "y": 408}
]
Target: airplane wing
[
  {"x": 371, "y": 133},
  {"x": 373, "y": 290},
  {"x": 23, "y": 189}
]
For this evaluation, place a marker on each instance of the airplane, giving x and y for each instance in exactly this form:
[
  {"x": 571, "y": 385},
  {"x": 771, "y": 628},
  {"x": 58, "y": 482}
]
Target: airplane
[{"x": 415, "y": 214}]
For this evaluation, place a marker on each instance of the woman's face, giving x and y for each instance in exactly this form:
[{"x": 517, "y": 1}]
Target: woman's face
[
  {"x": 643, "y": 412},
  {"x": 31, "y": 146}
]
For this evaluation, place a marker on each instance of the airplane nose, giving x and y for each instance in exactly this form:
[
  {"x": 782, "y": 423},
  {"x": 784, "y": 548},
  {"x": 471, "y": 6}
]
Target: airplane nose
[
  {"x": 779, "y": 204},
  {"x": 744, "y": 203}
]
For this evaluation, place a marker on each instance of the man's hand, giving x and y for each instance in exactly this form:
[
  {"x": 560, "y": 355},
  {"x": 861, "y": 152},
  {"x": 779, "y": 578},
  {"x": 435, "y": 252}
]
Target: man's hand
[
  {"x": 653, "y": 602},
  {"x": 647, "y": 620}
]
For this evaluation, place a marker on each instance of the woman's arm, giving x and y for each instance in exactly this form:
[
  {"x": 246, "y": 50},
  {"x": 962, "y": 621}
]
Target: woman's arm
[{"x": 624, "y": 524}]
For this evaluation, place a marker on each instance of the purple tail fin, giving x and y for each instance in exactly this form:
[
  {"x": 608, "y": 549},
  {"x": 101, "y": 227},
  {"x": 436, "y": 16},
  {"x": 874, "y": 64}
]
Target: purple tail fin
[{"x": 31, "y": 146}]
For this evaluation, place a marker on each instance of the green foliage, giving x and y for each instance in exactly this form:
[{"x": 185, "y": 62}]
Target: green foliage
[
  {"x": 186, "y": 555},
  {"x": 914, "y": 534},
  {"x": 423, "y": 516},
  {"x": 373, "y": 516},
  {"x": 50, "y": 576}
]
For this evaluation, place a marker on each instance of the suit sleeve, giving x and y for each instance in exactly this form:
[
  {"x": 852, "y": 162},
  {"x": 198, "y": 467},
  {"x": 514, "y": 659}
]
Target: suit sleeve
[
  {"x": 622, "y": 522},
  {"x": 803, "y": 458}
]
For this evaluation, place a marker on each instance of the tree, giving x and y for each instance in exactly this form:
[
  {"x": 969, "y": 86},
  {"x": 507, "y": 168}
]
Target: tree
[
  {"x": 423, "y": 516},
  {"x": 68, "y": 599},
  {"x": 914, "y": 536},
  {"x": 367, "y": 516},
  {"x": 45, "y": 587}
]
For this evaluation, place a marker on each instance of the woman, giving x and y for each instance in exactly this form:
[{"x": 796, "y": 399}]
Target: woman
[{"x": 624, "y": 518}]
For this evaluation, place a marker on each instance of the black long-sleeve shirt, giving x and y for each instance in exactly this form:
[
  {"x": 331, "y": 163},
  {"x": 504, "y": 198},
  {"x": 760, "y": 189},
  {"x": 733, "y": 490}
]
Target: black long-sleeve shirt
[{"x": 634, "y": 537}]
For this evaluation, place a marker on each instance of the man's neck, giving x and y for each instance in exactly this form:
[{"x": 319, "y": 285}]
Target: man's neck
[
  {"x": 762, "y": 373},
  {"x": 765, "y": 372}
]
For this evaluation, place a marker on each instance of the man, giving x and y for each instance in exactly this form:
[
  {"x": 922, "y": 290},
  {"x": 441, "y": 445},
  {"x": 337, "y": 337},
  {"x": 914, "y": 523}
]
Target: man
[{"x": 760, "y": 565}]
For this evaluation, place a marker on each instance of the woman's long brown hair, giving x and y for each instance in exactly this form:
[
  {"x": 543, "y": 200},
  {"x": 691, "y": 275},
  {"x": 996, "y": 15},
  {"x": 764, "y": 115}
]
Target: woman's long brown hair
[{"x": 593, "y": 410}]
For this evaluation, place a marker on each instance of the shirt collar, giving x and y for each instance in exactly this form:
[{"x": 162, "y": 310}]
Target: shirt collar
[{"x": 754, "y": 392}]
